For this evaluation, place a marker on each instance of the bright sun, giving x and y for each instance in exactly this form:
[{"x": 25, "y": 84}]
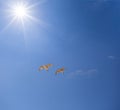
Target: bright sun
[{"x": 20, "y": 11}]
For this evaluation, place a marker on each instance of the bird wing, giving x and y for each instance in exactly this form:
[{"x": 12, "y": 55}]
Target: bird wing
[
  {"x": 49, "y": 65},
  {"x": 41, "y": 68},
  {"x": 46, "y": 67},
  {"x": 61, "y": 70}
]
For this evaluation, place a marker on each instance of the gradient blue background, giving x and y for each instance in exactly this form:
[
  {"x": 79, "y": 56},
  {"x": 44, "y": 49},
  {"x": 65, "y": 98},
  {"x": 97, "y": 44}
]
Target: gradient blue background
[{"x": 79, "y": 35}]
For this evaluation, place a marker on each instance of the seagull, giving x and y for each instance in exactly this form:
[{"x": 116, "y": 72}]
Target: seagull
[
  {"x": 46, "y": 67},
  {"x": 60, "y": 70}
]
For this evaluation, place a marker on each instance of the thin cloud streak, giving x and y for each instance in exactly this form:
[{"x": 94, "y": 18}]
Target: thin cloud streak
[
  {"x": 111, "y": 57},
  {"x": 85, "y": 73}
]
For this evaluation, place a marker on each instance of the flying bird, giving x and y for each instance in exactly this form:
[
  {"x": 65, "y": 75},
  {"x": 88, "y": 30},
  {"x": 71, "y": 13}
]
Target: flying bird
[
  {"x": 61, "y": 70},
  {"x": 46, "y": 67}
]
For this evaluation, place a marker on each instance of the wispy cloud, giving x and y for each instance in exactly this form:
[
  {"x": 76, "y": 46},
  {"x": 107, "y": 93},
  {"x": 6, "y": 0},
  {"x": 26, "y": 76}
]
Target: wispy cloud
[
  {"x": 114, "y": 58},
  {"x": 111, "y": 57},
  {"x": 86, "y": 73}
]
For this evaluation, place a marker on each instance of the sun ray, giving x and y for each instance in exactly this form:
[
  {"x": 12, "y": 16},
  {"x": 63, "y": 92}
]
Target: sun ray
[
  {"x": 38, "y": 21},
  {"x": 9, "y": 24},
  {"x": 24, "y": 32},
  {"x": 22, "y": 13},
  {"x": 36, "y": 4}
]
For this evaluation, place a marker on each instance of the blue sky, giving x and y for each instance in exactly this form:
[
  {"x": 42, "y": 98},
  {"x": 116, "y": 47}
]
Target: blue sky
[{"x": 82, "y": 36}]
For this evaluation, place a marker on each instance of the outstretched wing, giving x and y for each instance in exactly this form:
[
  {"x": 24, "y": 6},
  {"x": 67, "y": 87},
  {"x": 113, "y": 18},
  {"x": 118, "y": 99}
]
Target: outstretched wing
[
  {"x": 61, "y": 70},
  {"x": 46, "y": 67},
  {"x": 41, "y": 68},
  {"x": 49, "y": 65}
]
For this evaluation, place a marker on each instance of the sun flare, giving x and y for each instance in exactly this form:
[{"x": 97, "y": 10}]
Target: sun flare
[{"x": 20, "y": 11}]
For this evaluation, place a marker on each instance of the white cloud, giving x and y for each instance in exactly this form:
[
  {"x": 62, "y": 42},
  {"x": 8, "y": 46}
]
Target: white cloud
[
  {"x": 86, "y": 73},
  {"x": 112, "y": 57}
]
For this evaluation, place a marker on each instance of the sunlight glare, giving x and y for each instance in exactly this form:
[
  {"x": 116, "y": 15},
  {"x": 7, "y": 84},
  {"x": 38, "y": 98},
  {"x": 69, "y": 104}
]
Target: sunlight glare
[{"x": 20, "y": 11}]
